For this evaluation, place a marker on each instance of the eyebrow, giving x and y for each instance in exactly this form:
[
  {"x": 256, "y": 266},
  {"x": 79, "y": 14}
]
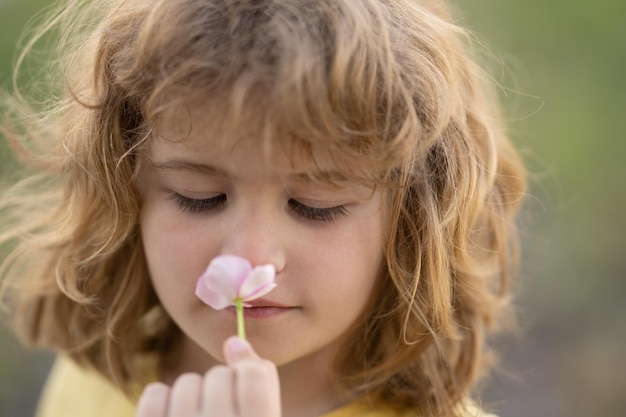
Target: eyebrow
[
  {"x": 317, "y": 176},
  {"x": 177, "y": 165},
  {"x": 330, "y": 177}
]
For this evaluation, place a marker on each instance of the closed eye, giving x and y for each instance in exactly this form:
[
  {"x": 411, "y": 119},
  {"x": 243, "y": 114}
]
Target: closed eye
[
  {"x": 321, "y": 214},
  {"x": 201, "y": 205}
]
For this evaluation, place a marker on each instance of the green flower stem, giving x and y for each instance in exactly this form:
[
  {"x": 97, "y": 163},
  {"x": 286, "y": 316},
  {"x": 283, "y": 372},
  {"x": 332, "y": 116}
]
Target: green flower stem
[{"x": 241, "y": 327}]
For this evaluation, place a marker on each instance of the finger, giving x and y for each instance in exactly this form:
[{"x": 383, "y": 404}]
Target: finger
[
  {"x": 257, "y": 389},
  {"x": 153, "y": 400},
  {"x": 237, "y": 349},
  {"x": 185, "y": 395},
  {"x": 217, "y": 392}
]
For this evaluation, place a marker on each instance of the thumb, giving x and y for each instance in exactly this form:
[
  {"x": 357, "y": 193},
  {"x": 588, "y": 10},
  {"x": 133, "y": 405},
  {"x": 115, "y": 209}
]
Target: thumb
[{"x": 237, "y": 349}]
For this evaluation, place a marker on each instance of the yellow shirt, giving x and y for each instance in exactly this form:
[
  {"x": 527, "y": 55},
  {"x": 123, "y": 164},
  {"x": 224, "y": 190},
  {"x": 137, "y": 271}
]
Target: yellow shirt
[{"x": 73, "y": 391}]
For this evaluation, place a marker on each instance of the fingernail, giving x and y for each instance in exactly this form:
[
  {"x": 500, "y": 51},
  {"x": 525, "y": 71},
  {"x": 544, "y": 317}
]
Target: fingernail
[
  {"x": 235, "y": 347},
  {"x": 237, "y": 344}
]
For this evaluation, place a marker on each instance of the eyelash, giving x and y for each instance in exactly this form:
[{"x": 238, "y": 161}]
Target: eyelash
[
  {"x": 193, "y": 205},
  {"x": 326, "y": 214}
]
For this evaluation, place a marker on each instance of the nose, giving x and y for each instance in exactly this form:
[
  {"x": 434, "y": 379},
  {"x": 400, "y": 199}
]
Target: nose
[{"x": 257, "y": 235}]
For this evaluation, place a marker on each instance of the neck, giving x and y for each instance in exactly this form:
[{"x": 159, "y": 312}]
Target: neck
[{"x": 307, "y": 388}]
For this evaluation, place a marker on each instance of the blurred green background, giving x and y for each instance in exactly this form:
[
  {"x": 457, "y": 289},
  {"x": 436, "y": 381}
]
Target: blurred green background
[{"x": 562, "y": 67}]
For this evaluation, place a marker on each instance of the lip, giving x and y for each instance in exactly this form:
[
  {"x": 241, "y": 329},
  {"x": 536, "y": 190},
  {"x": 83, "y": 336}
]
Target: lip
[
  {"x": 263, "y": 309},
  {"x": 265, "y": 303}
]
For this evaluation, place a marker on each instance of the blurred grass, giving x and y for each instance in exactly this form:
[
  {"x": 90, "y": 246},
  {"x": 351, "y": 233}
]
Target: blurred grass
[
  {"x": 572, "y": 55},
  {"x": 562, "y": 66},
  {"x": 22, "y": 371}
]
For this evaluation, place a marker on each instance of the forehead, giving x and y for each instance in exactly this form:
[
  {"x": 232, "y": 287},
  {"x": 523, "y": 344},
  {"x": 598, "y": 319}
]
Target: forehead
[{"x": 196, "y": 129}]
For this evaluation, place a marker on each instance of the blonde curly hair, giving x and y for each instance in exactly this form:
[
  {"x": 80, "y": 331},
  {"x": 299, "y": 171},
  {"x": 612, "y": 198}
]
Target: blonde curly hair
[{"x": 389, "y": 87}]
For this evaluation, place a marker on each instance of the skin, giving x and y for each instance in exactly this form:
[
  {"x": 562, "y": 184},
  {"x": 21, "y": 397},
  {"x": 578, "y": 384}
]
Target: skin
[
  {"x": 207, "y": 191},
  {"x": 246, "y": 386}
]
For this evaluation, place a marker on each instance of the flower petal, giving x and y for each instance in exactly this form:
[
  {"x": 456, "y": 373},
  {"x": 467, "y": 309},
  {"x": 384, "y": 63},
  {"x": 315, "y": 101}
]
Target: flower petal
[
  {"x": 219, "y": 285},
  {"x": 260, "y": 292},
  {"x": 258, "y": 283},
  {"x": 230, "y": 271},
  {"x": 230, "y": 277},
  {"x": 212, "y": 298},
  {"x": 225, "y": 274}
]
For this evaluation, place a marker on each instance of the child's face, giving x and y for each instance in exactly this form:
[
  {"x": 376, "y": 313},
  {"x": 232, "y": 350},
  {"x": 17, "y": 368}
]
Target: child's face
[{"x": 207, "y": 193}]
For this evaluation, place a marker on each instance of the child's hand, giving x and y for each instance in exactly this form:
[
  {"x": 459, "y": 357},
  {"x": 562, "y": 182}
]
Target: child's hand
[{"x": 247, "y": 387}]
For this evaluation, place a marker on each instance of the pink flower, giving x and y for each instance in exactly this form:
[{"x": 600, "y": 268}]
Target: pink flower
[{"x": 230, "y": 279}]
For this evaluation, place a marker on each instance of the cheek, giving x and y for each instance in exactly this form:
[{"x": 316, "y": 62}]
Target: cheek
[
  {"x": 349, "y": 263},
  {"x": 368, "y": 254},
  {"x": 174, "y": 253}
]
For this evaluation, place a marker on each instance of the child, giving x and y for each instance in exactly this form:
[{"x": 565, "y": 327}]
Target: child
[{"x": 351, "y": 144}]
